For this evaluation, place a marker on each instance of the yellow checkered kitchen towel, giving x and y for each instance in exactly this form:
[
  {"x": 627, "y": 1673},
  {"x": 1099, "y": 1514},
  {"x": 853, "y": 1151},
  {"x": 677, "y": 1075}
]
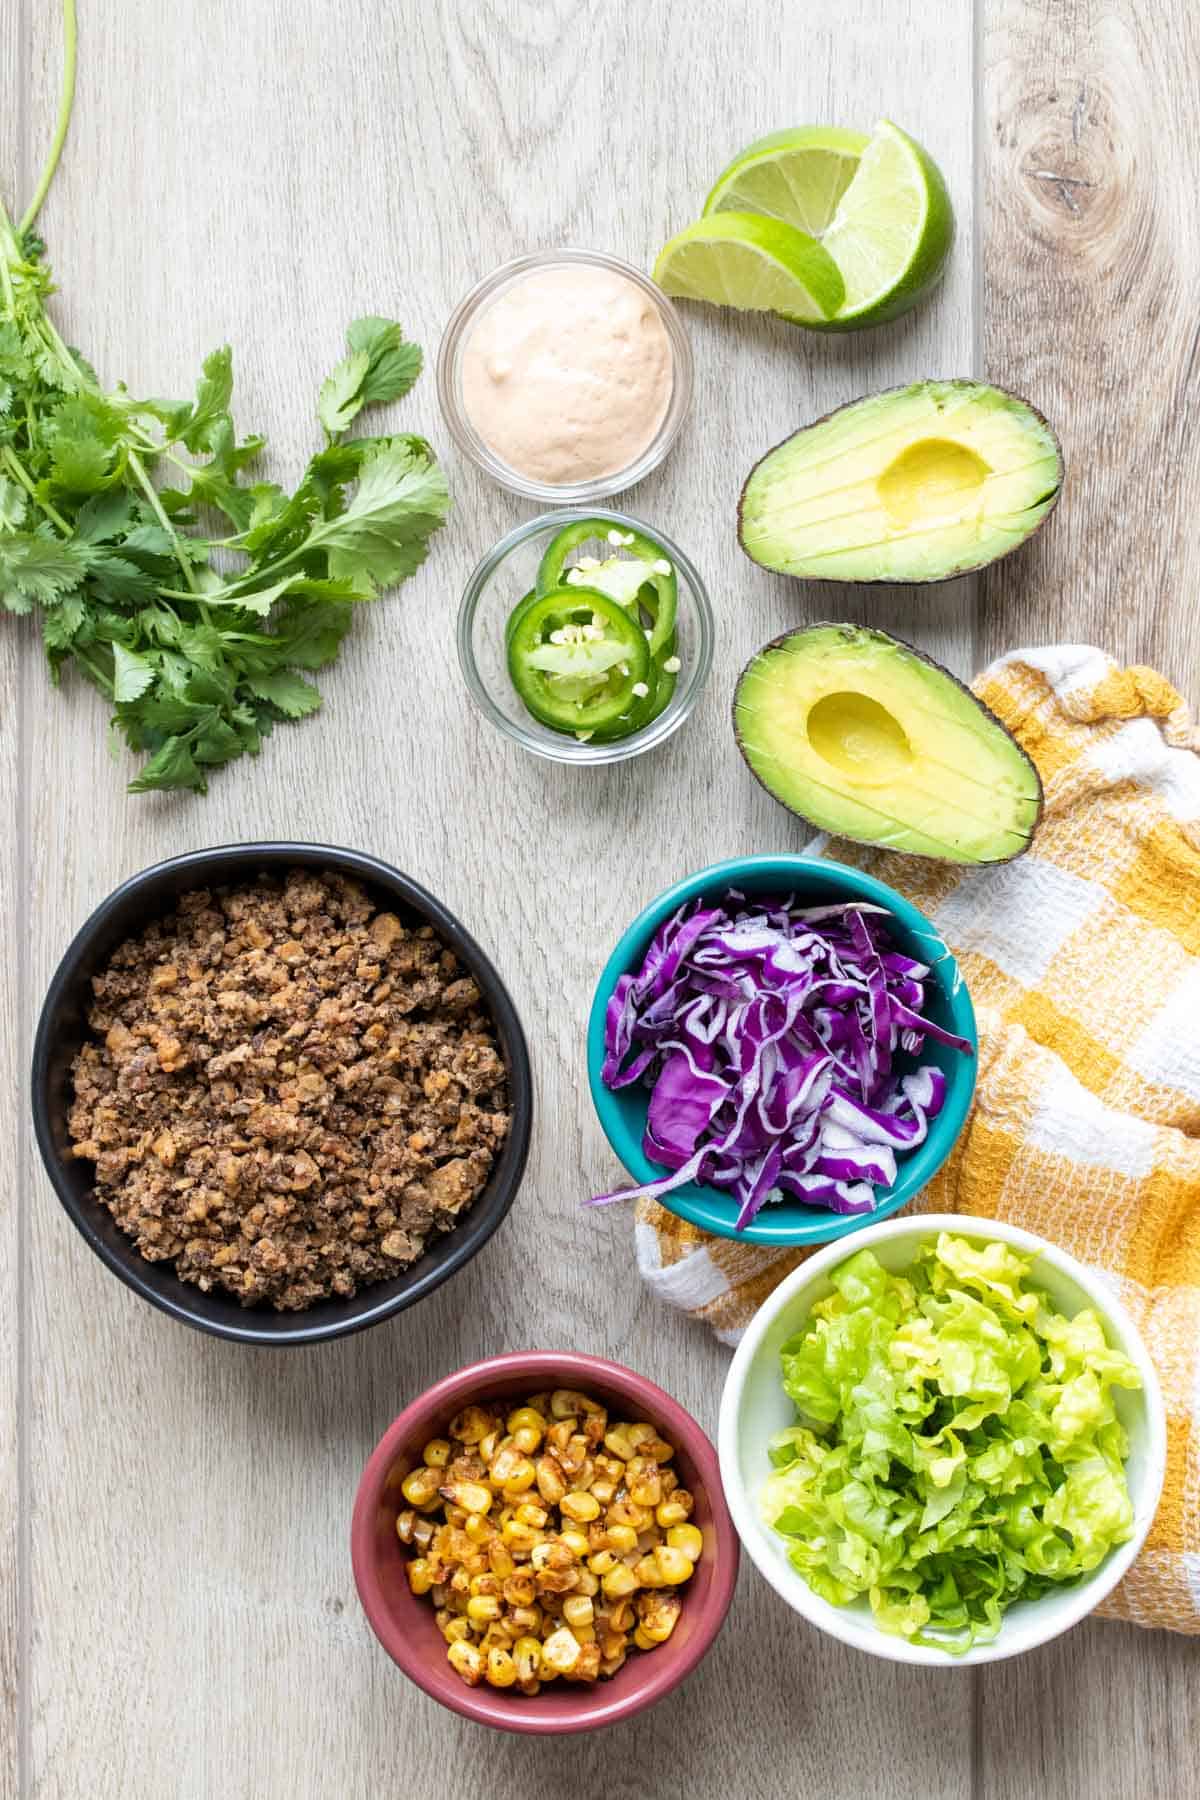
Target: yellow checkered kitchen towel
[{"x": 1083, "y": 959}]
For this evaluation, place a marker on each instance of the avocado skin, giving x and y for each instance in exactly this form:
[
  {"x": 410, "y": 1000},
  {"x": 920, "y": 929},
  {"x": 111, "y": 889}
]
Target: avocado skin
[
  {"x": 955, "y": 381},
  {"x": 885, "y": 637}
]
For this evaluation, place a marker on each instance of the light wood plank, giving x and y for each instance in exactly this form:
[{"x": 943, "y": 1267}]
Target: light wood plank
[
  {"x": 14, "y": 1186},
  {"x": 1091, "y": 267},
  {"x": 261, "y": 173}
]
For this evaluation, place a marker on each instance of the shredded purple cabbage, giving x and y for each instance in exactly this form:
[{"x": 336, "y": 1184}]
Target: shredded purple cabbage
[{"x": 766, "y": 1034}]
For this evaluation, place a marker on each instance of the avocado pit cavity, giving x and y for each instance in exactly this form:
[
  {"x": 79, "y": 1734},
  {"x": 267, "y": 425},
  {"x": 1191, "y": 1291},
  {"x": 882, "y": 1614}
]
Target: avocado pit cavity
[
  {"x": 859, "y": 737},
  {"x": 932, "y": 479}
]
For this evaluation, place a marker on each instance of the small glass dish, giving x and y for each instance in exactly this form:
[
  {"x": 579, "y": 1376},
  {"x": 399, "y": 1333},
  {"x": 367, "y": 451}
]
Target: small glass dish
[
  {"x": 506, "y": 575},
  {"x": 468, "y": 440}
]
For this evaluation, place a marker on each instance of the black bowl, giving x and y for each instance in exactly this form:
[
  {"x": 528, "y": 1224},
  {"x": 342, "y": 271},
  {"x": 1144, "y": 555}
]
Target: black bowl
[{"x": 63, "y": 1026}]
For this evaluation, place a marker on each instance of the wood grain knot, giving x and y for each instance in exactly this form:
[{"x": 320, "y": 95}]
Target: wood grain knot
[{"x": 1078, "y": 179}]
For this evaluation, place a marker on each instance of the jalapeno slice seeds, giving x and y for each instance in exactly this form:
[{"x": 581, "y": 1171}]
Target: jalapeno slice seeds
[
  {"x": 643, "y": 579},
  {"x": 577, "y": 658}
]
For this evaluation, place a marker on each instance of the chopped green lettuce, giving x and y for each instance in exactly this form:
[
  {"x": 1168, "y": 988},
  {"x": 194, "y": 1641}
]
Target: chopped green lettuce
[{"x": 956, "y": 1446}]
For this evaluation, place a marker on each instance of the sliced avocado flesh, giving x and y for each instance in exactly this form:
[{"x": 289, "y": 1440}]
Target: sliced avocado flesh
[
  {"x": 868, "y": 739},
  {"x": 914, "y": 484}
]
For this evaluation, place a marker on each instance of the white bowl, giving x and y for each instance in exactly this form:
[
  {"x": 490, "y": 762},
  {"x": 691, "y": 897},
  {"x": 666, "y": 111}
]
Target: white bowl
[{"x": 754, "y": 1406}]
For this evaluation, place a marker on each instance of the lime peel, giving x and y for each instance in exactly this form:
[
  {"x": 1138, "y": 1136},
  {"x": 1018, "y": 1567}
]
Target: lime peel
[{"x": 752, "y": 263}]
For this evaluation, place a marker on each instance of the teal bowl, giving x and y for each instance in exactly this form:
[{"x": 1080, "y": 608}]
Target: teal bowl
[{"x": 814, "y": 882}]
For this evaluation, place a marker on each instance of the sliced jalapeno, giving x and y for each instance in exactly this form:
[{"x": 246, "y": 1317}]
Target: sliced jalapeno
[
  {"x": 518, "y": 612},
  {"x": 576, "y": 658},
  {"x": 655, "y": 592},
  {"x": 661, "y": 686}
]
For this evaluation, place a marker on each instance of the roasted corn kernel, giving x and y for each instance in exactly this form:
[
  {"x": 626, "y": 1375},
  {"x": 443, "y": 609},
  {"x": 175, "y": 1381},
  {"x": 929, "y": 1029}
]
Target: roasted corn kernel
[
  {"x": 581, "y": 1507},
  {"x": 524, "y": 1474},
  {"x": 420, "y": 1575},
  {"x": 437, "y": 1453},
  {"x": 674, "y": 1565},
  {"x": 472, "y": 1496},
  {"x": 501, "y": 1670},
  {"x": 674, "y": 1509},
  {"x": 619, "y": 1582},
  {"x": 550, "y": 1483},
  {"x": 658, "y": 1614},
  {"x": 471, "y": 1425},
  {"x": 687, "y": 1538},
  {"x": 467, "y": 1660},
  {"x": 420, "y": 1487},
  {"x": 560, "y": 1652}
]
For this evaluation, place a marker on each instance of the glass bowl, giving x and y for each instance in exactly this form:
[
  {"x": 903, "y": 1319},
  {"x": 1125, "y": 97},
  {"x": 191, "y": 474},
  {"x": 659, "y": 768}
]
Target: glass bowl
[
  {"x": 506, "y": 574},
  {"x": 449, "y": 380}
]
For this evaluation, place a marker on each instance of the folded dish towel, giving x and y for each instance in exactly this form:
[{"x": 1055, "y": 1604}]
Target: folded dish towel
[{"x": 1083, "y": 959}]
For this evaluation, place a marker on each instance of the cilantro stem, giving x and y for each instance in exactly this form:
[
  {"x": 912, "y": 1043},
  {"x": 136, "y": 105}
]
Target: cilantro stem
[
  {"x": 101, "y": 680},
  {"x": 66, "y": 102},
  {"x": 10, "y": 298},
  {"x": 13, "y": 463},
  {"x": 156, "y": 506}
]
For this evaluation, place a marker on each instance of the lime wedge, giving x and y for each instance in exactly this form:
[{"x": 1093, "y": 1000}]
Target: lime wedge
[
  {"x": 891, "y": 233},
  {"x": 797, "y": 176},
  {"x": 755, "y": 264}
]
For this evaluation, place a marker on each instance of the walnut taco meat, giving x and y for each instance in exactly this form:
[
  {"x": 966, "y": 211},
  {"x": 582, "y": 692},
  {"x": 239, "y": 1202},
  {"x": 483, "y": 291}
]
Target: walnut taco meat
[{"x": 288, "y": 1093}]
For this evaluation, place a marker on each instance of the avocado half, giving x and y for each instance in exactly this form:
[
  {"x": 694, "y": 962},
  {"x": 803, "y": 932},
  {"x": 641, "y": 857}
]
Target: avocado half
[
  {"x": 913, "y": 484},
  {"x": 867, "y": 738}
]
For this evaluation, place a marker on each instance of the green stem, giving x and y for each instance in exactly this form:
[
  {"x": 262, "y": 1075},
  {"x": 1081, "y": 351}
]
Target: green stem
[
  {"x": 147, "y": 486},
  {"x": 66, "y": 101},
  {"x": 14, "y": 465},
  {"x": 10, "y": 298},
  {"x": 101, "y": 680}
]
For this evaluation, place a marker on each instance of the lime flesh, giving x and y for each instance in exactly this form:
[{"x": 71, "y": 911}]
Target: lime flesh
[
  {"x": 892, "y": 230},
  {"x": 797, "y": 176},
  {"x": 752, "y": 263}
]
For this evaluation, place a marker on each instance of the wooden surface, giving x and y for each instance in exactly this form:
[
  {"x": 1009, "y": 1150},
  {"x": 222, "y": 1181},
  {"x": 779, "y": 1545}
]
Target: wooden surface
[{"x": 180, "y": 1595}]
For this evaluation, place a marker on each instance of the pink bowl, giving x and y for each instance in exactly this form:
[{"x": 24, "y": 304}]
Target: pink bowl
[{"x": 404, "y": 1623}]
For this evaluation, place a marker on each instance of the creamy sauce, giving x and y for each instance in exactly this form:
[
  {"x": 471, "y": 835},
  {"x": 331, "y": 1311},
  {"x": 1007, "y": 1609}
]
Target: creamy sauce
[{"x": 567, "y": 375}]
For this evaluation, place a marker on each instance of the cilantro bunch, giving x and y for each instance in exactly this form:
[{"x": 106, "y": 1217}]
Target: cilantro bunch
[{"x": 197, "y": 598}]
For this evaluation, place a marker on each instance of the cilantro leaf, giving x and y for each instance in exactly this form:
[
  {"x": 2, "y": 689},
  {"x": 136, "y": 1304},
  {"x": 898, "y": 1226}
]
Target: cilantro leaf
[
  {"x": 149, "y": 541},
  {"x": 170, "y": 767},
  {"x": 341, "y": 393},
  {"x": 83, "y": 434},
  {"x": 106, "y": 516},
  {"x": 288, "y": 691},
  {"x": 214, "y": 391},
  {"x": 116, "y": 579},
  {"x": 217, "y": 742},
  {"x": 37, "y": 570},
  {"x": 309, "y": 637},
  {"x": 12, "y": 504},
  {"x": 132, "y": 674},
  {"x": 394, "y": 365},
  {"x": 401, "y": 499}
]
